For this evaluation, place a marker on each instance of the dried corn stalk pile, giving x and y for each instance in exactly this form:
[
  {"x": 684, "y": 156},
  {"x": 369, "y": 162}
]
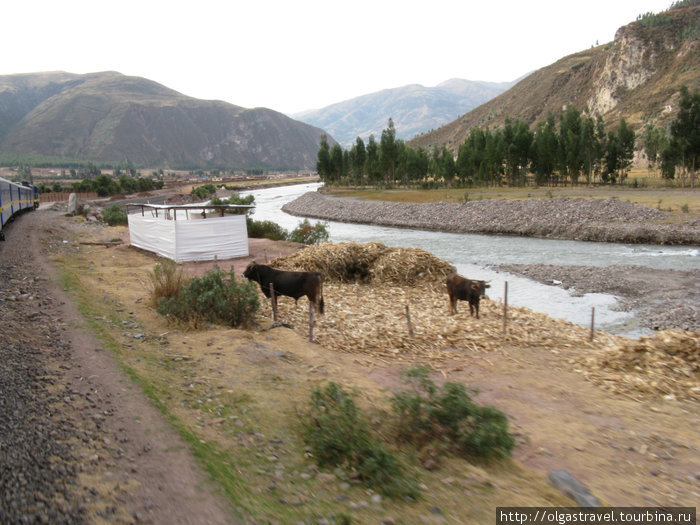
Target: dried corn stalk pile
[
  {"x": 368, "y": 287},
  {"x": 370, "y": 262},
  {"x": 667, "y": 364}
]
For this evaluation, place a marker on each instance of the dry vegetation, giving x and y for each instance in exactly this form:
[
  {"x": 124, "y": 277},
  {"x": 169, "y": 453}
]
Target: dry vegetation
[{"x": 236, "y": 394}]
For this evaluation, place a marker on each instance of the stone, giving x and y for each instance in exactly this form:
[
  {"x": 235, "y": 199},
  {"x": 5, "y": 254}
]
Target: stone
[{"x": 573, "y": 488}]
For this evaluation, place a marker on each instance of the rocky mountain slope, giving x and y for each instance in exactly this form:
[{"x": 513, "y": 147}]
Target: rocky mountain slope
[
  {"x": 637, "y": 76},
  {"x": 414, "y": 109},
  {"x": 111, "y": 117}
]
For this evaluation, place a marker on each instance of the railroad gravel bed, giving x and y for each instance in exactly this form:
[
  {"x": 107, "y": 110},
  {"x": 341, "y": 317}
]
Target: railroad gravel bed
[
  {"x": 606, "y": 220},
  {"x": 38, "y": 464}
]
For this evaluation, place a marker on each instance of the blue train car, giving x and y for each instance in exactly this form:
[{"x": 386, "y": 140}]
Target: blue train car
[{"x": 15, "y": 198}]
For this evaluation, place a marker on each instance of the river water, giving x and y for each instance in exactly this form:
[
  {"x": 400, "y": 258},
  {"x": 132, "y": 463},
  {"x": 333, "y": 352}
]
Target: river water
[{"x": 474, "y": 255}]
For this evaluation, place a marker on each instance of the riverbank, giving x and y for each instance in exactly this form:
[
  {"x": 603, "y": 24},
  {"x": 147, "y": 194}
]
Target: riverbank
[
  {"x": 661, "y": 299},
  {"x": 603, "y": 220}
]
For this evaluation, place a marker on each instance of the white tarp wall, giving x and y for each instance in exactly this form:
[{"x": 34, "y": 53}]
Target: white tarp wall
[{"x": 190, "y": 239}]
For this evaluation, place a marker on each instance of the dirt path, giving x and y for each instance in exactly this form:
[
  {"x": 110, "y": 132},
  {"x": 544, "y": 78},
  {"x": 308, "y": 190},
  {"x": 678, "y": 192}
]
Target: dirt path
[{"x": 130, "y": 465}]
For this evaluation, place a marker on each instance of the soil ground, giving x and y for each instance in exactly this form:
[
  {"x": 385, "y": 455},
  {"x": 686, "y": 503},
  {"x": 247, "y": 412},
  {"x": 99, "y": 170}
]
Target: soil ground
[{"x": 241, "y": 391}]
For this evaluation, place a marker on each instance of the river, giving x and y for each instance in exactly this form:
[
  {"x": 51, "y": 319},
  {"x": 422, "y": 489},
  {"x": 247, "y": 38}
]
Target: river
[{"x": 475, "y": 255}]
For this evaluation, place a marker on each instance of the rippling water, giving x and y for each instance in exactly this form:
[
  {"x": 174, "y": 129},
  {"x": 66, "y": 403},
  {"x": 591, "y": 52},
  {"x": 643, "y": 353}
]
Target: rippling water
[{"x": 473, "y": 255}]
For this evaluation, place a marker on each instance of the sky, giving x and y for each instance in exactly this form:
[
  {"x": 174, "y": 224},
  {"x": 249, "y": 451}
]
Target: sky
[{"x": 296, "y": 55}]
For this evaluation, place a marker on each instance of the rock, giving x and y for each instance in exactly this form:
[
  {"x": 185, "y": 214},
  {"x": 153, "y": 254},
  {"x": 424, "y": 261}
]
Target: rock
[
  {"x": 573, "y": 488},
  {"x": 72, "y": 204}
]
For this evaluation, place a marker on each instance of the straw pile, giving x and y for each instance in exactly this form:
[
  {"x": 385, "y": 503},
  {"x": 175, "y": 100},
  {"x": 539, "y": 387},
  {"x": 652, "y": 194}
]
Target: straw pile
[
  {"x": 666, "y": 364},
  {"x": 371, "y": 291},
  {"x": 372, "y": 262}
]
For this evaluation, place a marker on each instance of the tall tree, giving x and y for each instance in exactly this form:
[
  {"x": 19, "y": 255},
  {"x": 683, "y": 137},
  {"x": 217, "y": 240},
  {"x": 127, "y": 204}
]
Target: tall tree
[
  {"x": 655, "y": 141},
  {"x": 372, "y": 163},
  {"x": 336, "y": 162},
  {"x": 685, "y": 131},
  {"x": 590, "y": 149},
  {"x": 359, "y": 158},
  {"x": 626, "y": 137},
  {"x": 323, "y": 165},
  {"x": 571, "y": 157},
  {"x": 388, "y": 152},
  {"x": 517, "y": 144},
  {"x": 545, "y": 147}
]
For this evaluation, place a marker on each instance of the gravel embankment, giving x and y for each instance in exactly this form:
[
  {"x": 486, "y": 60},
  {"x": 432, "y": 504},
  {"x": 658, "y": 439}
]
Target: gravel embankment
[
  {"x": 606, "y": 220},
  {"x": 38, "y": 465},
  {"x": 662, "y": 299}
]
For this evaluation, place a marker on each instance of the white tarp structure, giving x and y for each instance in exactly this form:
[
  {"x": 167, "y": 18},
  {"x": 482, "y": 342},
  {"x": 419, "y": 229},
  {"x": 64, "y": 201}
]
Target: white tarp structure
[{"x": 189, "y": 232}]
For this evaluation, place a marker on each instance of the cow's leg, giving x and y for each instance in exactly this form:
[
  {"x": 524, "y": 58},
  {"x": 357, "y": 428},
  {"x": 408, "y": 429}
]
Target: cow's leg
[{"x": 453, "y": 304}]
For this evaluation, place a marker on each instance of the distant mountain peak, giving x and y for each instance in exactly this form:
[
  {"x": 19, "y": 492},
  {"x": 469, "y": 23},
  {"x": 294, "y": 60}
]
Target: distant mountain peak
[{"x": 414, "y": 109}]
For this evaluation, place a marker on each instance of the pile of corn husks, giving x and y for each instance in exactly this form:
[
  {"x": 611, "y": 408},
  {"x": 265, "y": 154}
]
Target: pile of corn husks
[
  {"x": 371, "y": 291},
  {"x": 666, "y": 364},
  {"x": 370, "y": 262}
]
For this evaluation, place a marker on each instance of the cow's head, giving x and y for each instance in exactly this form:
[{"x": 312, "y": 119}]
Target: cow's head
[
  {"x": 480, "y": 287},
  {"x": 249, "y": 272}
]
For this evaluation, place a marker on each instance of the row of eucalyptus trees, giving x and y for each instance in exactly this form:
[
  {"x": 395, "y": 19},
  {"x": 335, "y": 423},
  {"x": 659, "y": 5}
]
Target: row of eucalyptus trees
[{"x": 578, "y": 147}]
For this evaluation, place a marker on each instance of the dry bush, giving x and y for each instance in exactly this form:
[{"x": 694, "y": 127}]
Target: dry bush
[{"x": 167, "y": 278}]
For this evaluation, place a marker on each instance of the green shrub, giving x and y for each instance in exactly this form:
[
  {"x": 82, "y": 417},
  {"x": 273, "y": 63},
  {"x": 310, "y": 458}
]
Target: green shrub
[
  {"x": 339, "y": 435},
  {"x": 115, "y": 215},
  {"x": 426, "y": 414},
  {"x": 266, "y": 230},
  {"x": 217, "y": 298},
  {"x": 204, "y": 191},
  {"x": 305, "y": 233},
  {"x": 236, "y": 199},
  {"x": 167, "y": 279}
]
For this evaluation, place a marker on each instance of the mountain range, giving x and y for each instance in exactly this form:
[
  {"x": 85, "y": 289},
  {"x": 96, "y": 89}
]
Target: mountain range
[
  {"x": 110, "y": 117},
  {"x": 414, "y": 109}
]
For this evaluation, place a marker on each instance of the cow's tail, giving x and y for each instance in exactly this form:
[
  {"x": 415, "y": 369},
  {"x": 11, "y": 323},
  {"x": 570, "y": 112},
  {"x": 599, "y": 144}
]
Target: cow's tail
[{"x": 320, "y": 305}]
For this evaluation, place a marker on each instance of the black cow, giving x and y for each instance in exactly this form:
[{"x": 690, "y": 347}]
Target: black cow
[
  {"x": 460, "y": 288},
  {"x": 291, "y": 284}
]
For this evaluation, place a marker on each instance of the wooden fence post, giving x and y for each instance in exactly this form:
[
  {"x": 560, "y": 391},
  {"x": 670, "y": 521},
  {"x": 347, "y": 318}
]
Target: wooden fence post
[
  {"x": 273, "y": 300},
  {"x": 410, "y": 325},
  {"x": 505, "y": 308},
  {"x": 311, "y": 321}
]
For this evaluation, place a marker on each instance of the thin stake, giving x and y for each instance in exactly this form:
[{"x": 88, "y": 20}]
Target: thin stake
[
  {"x": 311, "y": 322},
  {"x": 273, "y": 299},
  {"x": 410, "y": 325},
  {"x": 592, "y": 322},
  {"x": 505, "y": 308}
]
